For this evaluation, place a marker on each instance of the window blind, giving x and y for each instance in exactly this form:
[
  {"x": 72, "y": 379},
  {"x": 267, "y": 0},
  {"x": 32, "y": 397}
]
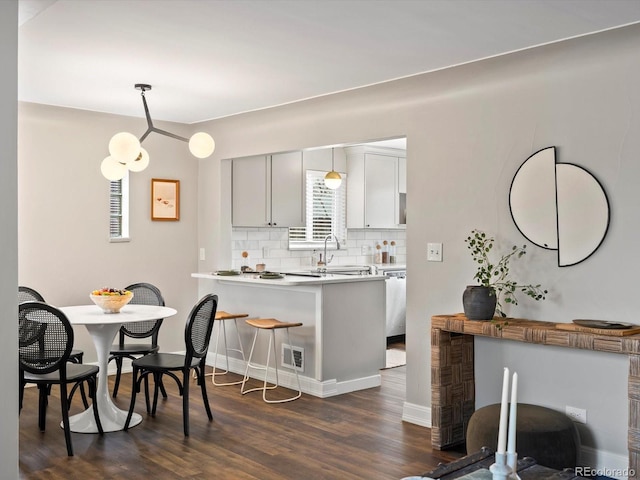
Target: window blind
[
  {"x": 325, "y": 212},
  {"x": 119, "y": 208}
]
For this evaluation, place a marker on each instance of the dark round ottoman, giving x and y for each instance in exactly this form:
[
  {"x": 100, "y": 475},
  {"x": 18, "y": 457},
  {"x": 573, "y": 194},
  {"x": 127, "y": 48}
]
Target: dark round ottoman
[{"x": 548, "y": 436}]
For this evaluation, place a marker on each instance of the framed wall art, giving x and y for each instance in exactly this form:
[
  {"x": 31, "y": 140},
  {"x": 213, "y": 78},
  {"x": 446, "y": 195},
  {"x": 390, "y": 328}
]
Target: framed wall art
[{"x": 165, "y": 199}]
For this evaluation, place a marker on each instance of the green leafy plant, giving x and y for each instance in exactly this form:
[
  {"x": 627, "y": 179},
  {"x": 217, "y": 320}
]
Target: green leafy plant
[{"x": 495, "y": 275}]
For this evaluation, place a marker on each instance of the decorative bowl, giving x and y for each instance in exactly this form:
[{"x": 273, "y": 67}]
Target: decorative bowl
[{"x": 111, "y": 300}]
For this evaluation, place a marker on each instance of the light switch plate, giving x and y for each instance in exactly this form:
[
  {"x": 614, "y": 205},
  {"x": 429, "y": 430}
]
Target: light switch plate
[
  {"x": 434, "y": 252},
  {"x": 202, "y": 254}
]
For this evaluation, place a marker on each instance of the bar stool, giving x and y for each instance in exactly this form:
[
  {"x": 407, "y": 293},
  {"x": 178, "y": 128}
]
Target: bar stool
[
  {"x": 222, "y": 317},
  {"x": 273, "y": 325}
]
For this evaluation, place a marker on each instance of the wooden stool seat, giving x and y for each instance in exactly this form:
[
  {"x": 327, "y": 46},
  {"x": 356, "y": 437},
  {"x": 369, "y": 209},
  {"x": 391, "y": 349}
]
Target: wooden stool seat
[
  {"x": 222, "y": 316},
  {"x": 271, "y": 324}
]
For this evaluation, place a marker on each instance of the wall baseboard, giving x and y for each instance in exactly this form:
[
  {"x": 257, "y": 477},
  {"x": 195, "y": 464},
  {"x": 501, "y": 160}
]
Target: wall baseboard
[
  {"x": 417, "y": 414},
  {"x": 310, "y": 386},
  {"x": 603, "y": 463}
]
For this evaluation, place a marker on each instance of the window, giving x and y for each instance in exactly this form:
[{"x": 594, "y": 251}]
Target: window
[
  {"x": 325, "y": 213},
  {"x": 119, "y": 210}
]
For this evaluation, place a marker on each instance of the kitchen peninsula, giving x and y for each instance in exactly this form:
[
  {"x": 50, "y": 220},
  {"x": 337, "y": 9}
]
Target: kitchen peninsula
[{"x": 342, "y": 338}]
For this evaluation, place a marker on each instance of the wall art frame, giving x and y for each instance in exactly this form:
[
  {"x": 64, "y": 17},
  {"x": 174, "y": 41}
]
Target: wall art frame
[{"x": 165, "y": 199}]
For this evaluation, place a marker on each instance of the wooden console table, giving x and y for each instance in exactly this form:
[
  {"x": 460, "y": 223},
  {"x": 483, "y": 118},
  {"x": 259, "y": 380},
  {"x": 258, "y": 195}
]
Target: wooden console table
[{"x": 453, "y": 378}]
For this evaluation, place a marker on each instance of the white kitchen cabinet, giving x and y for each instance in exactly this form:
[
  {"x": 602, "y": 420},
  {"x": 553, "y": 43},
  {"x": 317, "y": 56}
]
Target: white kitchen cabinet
[
  {"x": 267, "y": 191},
  {"x": 287, "y": 187},
  {"x": 320, "y": 159},
  {"x": 372, "y": 188},
  {"x": 402, "y": 175}
]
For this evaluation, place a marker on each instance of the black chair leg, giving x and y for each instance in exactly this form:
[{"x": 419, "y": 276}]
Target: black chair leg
[
  {"x": 43, "y": 395},
  {"x": 65, "y": 418},
  {"x": 132, "y": 404},
  {"x": 84, "y": 396},
  {"x": 162, "y": 390},
  {"x": 146, "y": 393},
  {"x": 21, "y": 396},
  {"x": 77, "y": 386},
  {"x": 118, "y": 373},
  {"x": 93, "y": 390},
  {"x": 185, "y": 401},
  {"x": 157, "y": 378},
  {"x": 205, "y": 397}
]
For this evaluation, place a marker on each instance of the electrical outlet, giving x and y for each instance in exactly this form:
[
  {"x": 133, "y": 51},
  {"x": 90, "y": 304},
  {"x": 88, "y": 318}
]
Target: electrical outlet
[
  {"x": 434, "y": 252},
  {"x": 576, "y": 414}
]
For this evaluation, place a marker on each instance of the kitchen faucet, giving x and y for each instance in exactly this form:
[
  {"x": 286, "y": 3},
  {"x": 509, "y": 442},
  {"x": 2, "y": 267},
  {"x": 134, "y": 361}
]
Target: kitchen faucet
[{"x": 327, "y": 261}]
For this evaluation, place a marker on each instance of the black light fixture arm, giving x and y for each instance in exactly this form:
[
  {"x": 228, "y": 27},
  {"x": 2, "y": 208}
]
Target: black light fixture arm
[{"x": 150, "y": 128}]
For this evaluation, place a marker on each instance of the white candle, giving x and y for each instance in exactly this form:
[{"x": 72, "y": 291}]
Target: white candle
[
  {"x": 502, "y": 432},
  {"x": 511, "y": 446}
]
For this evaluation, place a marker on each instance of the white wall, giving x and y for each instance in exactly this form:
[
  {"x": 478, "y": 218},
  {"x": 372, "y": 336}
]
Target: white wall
[
  {"x": 8, "y": 239},
  {"x": 63, "y": 216},
  {"x": 468, "y": 130}
]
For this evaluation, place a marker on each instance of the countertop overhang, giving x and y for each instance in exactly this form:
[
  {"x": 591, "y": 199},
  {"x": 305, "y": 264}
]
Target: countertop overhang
[{"x": 290, "y": 279}]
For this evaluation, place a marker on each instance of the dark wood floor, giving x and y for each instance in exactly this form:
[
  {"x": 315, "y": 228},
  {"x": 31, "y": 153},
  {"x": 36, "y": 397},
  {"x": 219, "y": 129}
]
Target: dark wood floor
[{"x": 359, "y": 435}]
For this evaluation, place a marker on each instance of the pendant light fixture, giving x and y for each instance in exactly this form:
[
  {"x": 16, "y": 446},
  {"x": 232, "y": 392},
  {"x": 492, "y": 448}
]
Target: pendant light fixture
[
  {"x": 332, "y": 180},
  {"x": 125, "y": 152}
]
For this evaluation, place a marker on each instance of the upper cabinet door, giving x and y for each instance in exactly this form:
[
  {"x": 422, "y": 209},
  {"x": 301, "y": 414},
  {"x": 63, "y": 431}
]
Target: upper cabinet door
[
  {"x": 381, "y": 180},
  {"x": 402, "y": 175},
  {"x": 286, "y": 190},
  {"x": 250, "y": 205}
]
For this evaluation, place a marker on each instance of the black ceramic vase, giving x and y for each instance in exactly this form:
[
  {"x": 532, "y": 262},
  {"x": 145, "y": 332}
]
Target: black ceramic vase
[{"x": 479, "y": 302}]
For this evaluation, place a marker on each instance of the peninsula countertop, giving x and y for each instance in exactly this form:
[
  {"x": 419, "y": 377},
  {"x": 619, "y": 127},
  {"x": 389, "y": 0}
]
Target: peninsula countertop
[{"x": 291, "y": 278}]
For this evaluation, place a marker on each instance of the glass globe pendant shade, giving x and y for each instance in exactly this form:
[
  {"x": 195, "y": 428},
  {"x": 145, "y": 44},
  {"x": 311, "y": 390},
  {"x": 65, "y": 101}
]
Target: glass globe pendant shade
[
  {"x": 124, "y": 147},
  {"x": 140, "y": 163},
  {"x": 201, "y": 145},
  {"x": 333, "y": 180},
  {"x": 112, "y": 169}
]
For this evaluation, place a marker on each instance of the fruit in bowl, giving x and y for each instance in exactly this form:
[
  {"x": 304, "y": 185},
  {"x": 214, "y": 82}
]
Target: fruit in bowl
[{"x": 111, "y": 300}]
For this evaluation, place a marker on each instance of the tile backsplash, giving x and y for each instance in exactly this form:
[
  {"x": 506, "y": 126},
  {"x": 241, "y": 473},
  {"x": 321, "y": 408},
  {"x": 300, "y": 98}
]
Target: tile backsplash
[{"x": 271, "y": 247}]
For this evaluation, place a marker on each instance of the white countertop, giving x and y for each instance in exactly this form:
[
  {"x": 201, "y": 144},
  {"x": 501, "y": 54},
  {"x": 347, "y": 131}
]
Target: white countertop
[{"x": 290, "y": 279}]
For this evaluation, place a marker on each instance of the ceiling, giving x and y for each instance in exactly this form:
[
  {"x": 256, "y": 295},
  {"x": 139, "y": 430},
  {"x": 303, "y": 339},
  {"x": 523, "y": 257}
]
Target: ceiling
[{"x": 208, "y": 59}]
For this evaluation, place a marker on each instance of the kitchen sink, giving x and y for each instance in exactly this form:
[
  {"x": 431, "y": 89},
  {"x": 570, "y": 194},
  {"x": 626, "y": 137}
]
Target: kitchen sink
[{"x": 337, "y": 270}]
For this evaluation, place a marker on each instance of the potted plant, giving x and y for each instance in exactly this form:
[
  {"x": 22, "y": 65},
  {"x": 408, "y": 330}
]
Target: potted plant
[{"x": 483, "y": 301}]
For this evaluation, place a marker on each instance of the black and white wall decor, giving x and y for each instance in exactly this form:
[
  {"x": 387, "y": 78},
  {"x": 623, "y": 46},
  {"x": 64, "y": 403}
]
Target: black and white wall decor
[{"x": 559, "y": 206}]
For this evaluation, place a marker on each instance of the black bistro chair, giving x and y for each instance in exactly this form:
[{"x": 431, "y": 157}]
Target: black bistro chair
[
  {"x": 143, "y": 294},
  {"x": 28, "y": 294},
  {"x": 197, "y": 335},
  {"x": 44, "y": 345}
]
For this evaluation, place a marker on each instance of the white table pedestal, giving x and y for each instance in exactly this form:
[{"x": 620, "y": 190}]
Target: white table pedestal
[
  {"x": 103, "y": 329},
  {"x": 111, "y": 417}
]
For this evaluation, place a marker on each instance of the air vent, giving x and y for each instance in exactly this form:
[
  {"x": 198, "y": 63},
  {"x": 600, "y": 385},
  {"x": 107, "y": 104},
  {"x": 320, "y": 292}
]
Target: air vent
[{"x": 298, "y": 357}]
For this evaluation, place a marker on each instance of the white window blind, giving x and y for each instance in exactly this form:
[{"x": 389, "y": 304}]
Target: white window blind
[
  {"x": 325, "y": 212},
  {"x": 119, "y": 209}
]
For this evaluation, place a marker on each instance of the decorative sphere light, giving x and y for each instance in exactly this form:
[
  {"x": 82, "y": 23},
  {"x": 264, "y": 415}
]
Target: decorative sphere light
[
  {"x": 333, "y": 180},
  {"x": 112, "y": 169},
  {"x": 124, "y": 147},
  {"x": 140, "y": 163},
  {"x": 201, "y": 145}
]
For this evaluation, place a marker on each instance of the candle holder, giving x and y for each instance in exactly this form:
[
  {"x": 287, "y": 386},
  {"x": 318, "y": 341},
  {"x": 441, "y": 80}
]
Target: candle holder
[
  {"x": 500, "y": 470},
  {"x": 512, "y": 463}
]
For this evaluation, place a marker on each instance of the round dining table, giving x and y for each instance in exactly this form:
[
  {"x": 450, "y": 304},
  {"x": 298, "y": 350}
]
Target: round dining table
[{"x": 103, "y": 328}]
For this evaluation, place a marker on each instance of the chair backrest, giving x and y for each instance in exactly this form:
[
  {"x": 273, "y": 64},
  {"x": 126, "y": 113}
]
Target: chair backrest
[
  {"x": 26, "y": 294},
  {"x": 199, "y": 327},
  {"x": 143, "y": 294},
  {"x": 45, "y": 338}
]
